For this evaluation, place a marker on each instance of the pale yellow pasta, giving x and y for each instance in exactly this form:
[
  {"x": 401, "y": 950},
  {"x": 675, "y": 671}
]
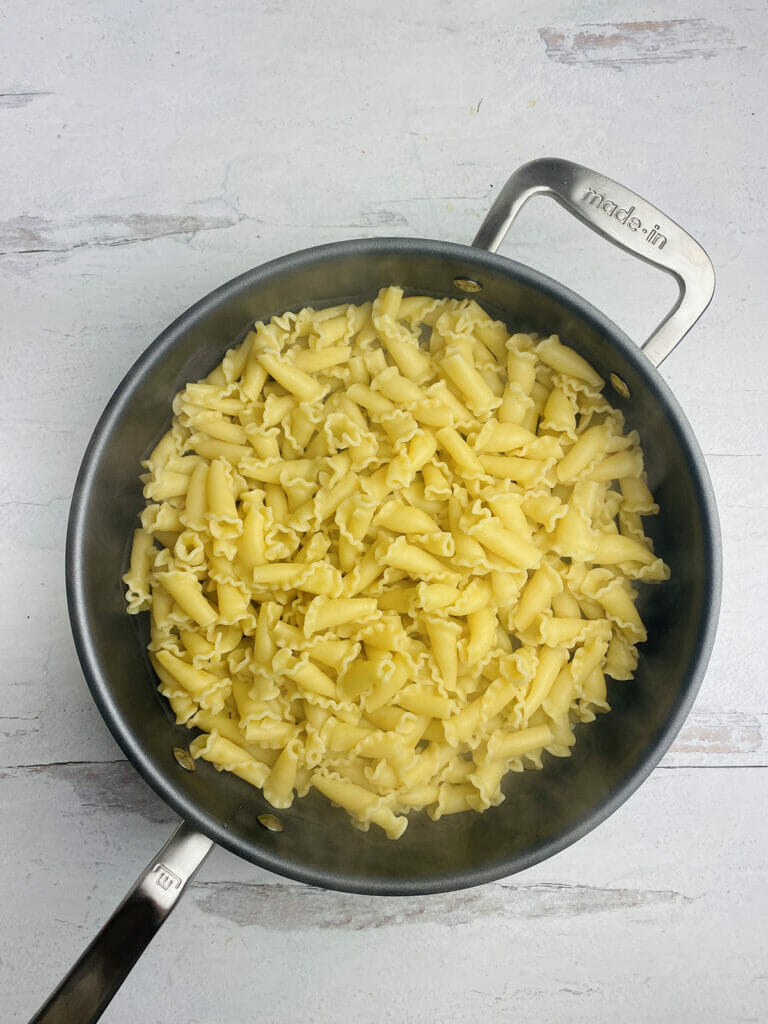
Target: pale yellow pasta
[
  {"x": 143, "y": 552},
  {"x": 207, "y": 689},
  {"x": 229, "y": 756},
  {"x": 279, "y": 785},
  {"x": 473, "y": 387},
  {"x": 187, "y": 592},
  {"x": 391, "y": 552}
]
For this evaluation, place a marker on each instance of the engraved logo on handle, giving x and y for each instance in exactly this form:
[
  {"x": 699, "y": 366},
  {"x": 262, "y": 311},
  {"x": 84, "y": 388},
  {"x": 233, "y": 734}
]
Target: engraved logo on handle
[
  {"x": 625, "y": 217},
  {"x": 165, "y": 878}
]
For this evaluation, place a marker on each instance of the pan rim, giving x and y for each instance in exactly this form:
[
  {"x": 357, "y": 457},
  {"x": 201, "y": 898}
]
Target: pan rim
[{"x": 96, "y": 675}]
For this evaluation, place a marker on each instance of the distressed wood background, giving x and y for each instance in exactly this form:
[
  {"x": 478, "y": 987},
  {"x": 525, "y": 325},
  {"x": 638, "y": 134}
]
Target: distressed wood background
[{"x": 151, "y": 151}]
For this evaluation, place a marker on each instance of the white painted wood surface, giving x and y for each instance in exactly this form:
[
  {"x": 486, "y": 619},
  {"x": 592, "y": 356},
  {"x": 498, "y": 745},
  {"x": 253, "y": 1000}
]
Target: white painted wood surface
[{"x": 151, "y": 151}]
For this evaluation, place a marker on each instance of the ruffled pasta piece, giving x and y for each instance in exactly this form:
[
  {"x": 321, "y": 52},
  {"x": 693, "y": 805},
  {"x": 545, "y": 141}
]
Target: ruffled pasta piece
[
  {"x": 208, "y": 690},
  {"x": 325, "y": 613},
  {"x": 228, "y": 756},
  {"x": 556, "y": 632},
  {"x": 279, "y": 784},
  {"x": 444, "y": 635},
  {"x": 364, "y": 805},
  {"x": 637, "y": 498},
  {"x": 470, "y": 723},
  {"x": 567, "y": 361},
  {"x": 621, "y": 658},
  {"x": 394, "y": 674},
  {"x": 423, "y": 699},
  {"x": 209, "y": 722},
  {"x": 474, "y": 389},
  {"x": 486, "y": 778},
  {"x": 502, "y": 438},
  {"x": 425, "y": 409},
  {"x": 143, "y": 552},
  {"x": 619, "y": 465},
  {"x": 559, "y": 415},
  {"x": 401, "y": 344},
  {"x": 537, "y": 596},
  {"x": 186, "y": 591},
  {"x": 574, "y": 537},
  {"x": 616, "y": 597},
  {"x": 631, "y": 525},
  {"x": 506, "y": 746},
  {"x": 452, "y": 800},
  {"x": 630, "y": 557},
  {"x": 415, "y": 561},
  {"x": 513, "y": 549},
  {"x": 161, "y": 518},
  {"x": 482, "y": 625}
]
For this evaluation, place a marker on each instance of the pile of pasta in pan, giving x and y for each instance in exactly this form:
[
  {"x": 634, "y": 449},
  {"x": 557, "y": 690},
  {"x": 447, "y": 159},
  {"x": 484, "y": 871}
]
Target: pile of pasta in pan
[{"x": 391, "y": 552}]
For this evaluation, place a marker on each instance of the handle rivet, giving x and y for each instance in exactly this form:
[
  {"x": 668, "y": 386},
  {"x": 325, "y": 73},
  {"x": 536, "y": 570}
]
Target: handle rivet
[
  {"x": 619, "y": 386},
  {"x": 269, "y": 821},
  {"x": 184, "y": 759},
  {"x": 466, "y": 284}
]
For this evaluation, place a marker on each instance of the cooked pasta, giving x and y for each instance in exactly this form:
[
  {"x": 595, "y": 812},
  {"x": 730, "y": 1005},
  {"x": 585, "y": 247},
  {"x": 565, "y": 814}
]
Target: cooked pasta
[{"x": 391, "y": 552}]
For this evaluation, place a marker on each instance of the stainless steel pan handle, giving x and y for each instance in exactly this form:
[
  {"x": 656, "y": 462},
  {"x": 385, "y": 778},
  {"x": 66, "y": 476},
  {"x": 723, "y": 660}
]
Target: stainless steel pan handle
[
  {"x": 622, "y": 217},
  {"x": 86, "y": 991}
]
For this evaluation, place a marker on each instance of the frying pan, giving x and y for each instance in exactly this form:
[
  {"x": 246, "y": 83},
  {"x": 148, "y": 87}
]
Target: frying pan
[{"x": 543, "y": 811}]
